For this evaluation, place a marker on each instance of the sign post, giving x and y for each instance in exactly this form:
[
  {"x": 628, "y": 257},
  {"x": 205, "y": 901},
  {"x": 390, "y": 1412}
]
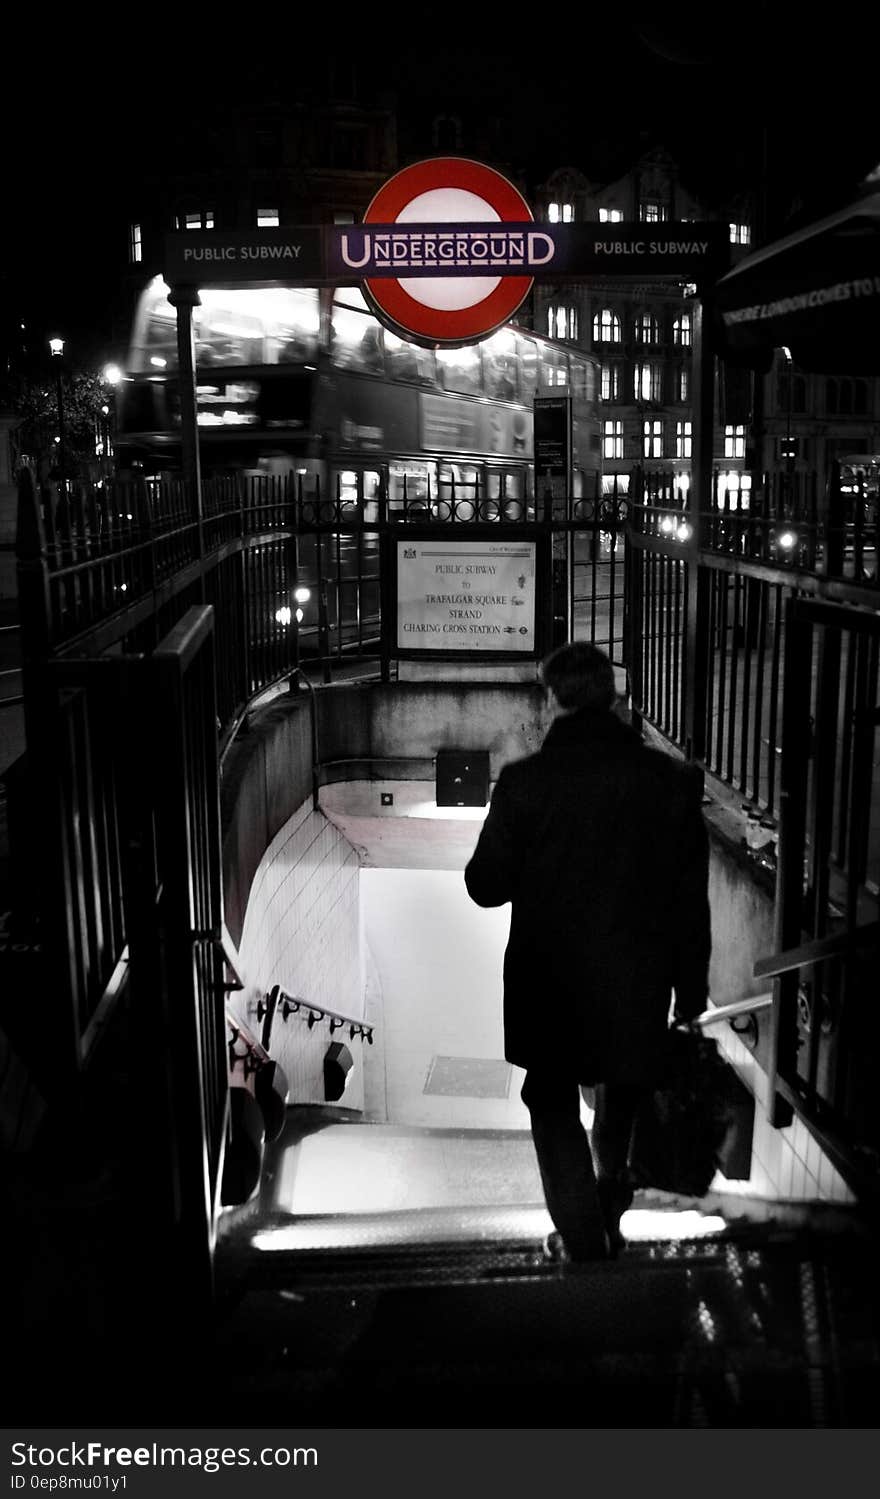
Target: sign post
[{"x": 446, "y": 254}]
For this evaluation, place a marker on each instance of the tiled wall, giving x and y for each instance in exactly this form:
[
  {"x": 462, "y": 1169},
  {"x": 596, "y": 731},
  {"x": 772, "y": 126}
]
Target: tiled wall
[
  {"x": 302, "y": 931},
  {"x": 787, "y": 1164}
]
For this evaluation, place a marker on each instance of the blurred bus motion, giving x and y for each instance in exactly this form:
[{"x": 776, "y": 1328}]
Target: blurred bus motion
[{"x": 308, "y": 381}]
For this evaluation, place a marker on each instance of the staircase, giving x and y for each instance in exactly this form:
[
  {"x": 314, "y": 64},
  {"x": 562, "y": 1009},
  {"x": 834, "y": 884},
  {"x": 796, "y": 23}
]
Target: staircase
[{"x": 449, "y": 1317}]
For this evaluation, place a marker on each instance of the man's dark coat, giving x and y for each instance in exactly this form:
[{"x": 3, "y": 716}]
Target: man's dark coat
[{"x": 600, "y": 845}]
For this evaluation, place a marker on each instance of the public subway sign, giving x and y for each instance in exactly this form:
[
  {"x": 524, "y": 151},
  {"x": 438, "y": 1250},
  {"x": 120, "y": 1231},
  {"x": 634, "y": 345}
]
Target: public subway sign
[
  {"x": 469, "y": 236},
  {"x": 446, "y": 253},
  {"x": 259, "y": 257},
  {"x": 455, "y": 250},
  {"x": 471, "y": 597}
]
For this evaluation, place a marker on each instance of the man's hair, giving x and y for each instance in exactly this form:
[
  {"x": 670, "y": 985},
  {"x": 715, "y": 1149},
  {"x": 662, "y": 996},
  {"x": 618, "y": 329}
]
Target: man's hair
[{"x": 580, "y": 676}]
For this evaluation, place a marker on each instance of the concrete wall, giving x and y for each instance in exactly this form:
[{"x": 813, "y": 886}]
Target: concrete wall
[
  {"x": 267, "y": 776},
  {"x": 302, "y": 930},
  {"x": 787, "y": 1164},
  {"x": 411, "y": 721},
  {"x": 292, "y": 880},
  {"x": 438, "y": 961}
]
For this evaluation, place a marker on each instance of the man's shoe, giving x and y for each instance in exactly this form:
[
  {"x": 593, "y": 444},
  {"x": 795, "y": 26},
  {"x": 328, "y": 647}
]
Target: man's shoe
[
  {"x": 556, "y": 1252},
  {"x": 554, "y": 1249}
]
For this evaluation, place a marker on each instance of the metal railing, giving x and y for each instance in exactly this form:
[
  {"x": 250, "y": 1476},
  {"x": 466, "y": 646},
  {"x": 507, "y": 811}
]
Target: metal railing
[
  {"x": 279, "y": 1002},
  {"x": 107, "y": 576},
  {"x": 754, "y": 648}
]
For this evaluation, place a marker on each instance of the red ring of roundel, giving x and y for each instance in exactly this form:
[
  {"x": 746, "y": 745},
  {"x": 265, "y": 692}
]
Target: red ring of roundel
[{"x": 434, "y": 322}]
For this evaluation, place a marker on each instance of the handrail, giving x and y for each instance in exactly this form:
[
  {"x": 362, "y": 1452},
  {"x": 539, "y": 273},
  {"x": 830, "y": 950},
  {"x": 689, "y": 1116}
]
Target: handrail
[
  {"x": 816, "y": 950},
  {"x": 290, "y": 1004},
  {"x": 717, "y": 1014},
  {"x": 298, "y": 675}
]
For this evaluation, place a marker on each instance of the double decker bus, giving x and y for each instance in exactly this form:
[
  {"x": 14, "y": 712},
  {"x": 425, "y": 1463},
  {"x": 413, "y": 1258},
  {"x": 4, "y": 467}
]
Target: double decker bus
[{"x": 308, "y": 381}]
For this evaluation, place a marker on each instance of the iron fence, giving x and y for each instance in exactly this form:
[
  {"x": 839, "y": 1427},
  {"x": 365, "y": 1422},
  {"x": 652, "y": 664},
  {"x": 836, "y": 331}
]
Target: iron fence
[
  {"x": 753, "y": 646},
  {"x": 695, "y": 606}
]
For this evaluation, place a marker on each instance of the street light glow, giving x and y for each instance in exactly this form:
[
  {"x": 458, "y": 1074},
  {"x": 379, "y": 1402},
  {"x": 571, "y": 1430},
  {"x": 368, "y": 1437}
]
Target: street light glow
[
  {"x": 57, "y": 347},
  {"x": 113, "y": 374}
]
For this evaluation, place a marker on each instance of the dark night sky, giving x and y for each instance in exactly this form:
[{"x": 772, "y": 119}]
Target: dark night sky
[{"x": 83, "y": 116}]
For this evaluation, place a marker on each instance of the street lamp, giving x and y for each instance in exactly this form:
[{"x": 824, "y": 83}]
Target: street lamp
[
  {"x": 788, "y": 408},
  {"x": 111, "y": 375},
  {"x": 56, "y": 348}
]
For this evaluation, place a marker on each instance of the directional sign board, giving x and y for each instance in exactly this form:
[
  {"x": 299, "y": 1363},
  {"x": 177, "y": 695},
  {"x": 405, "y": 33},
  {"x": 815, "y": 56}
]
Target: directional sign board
[{"x": 471, "y": 596}]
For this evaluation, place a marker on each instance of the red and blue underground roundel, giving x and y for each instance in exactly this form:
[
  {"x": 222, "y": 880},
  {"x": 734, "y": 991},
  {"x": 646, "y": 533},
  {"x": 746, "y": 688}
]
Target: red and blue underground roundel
[{"x": 447, "y": 309}]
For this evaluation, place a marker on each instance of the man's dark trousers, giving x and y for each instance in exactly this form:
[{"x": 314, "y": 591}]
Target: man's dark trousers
[{"x": 581, "y": 1213}]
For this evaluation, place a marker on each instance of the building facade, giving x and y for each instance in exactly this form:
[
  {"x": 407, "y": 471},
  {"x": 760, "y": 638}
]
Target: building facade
[{"x": 321, "y": 160}]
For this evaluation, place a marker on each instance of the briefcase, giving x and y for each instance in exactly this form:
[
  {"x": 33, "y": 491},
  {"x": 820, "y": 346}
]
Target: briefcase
[{"x": 684, "y": 1128}]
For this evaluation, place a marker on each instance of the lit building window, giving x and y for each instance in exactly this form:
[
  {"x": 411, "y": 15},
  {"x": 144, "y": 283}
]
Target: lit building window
[
  {"x": 681, "y": 330},
  {"x": 647, "y": 382},
  {"x": 561, "y": 321},
  {"x": 683, "y": 384},
  {"x": 652, "y": 439},
  {"x": 560, "y": 213},
  {"x": 740, "y": 234},
  {"x": 735, "y": 442},
  {"x": 197, "y": 219},
  {"x": 267, "y": 218},
  {"x": 612, "y": 439},
  {"x": 683, "y": 437},
  {"x": 653, "y": 213},
  {"x": 606, "y": 327},
  {"x": 610, "y": 382},
  {"x": 733, "y": 491},
  {"x": 610, "y": 215},
  {"x": 647, "y": 328},
  {"x": 135, "y": 244}
]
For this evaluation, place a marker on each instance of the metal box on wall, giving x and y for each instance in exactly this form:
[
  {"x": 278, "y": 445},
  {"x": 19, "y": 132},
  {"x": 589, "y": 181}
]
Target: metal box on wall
[{"x": 462, "y": 778}]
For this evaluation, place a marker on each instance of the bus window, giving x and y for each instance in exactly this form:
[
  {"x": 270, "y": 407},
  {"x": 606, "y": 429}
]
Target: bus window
[
  {"x": 527, "y": 359},
  {"x": 499, "y": 366},
  {"x": 553, "y": 366},
  {"x": 154, "y": 336},
  {"x": 459, "y": 370},
  {"x": 356, "y": 341},
  {"x": 507, "y": 483},
  {"x": 293, "y": 322},
  {"x": 458, "y": 482},
  {"x": 579, "y": 368},
  {"x": 224, "y": 337},
  {"x": 351, "y": 486},
  {"x": 412, "y": 481},
  {"x": 406, "y": 361}
]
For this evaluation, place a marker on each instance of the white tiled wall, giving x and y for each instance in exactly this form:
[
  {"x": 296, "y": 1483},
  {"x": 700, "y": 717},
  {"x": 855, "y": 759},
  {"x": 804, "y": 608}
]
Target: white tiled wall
[
  {"x": 787, "y": 1164},
  {"x": 302, "y": 931}
]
